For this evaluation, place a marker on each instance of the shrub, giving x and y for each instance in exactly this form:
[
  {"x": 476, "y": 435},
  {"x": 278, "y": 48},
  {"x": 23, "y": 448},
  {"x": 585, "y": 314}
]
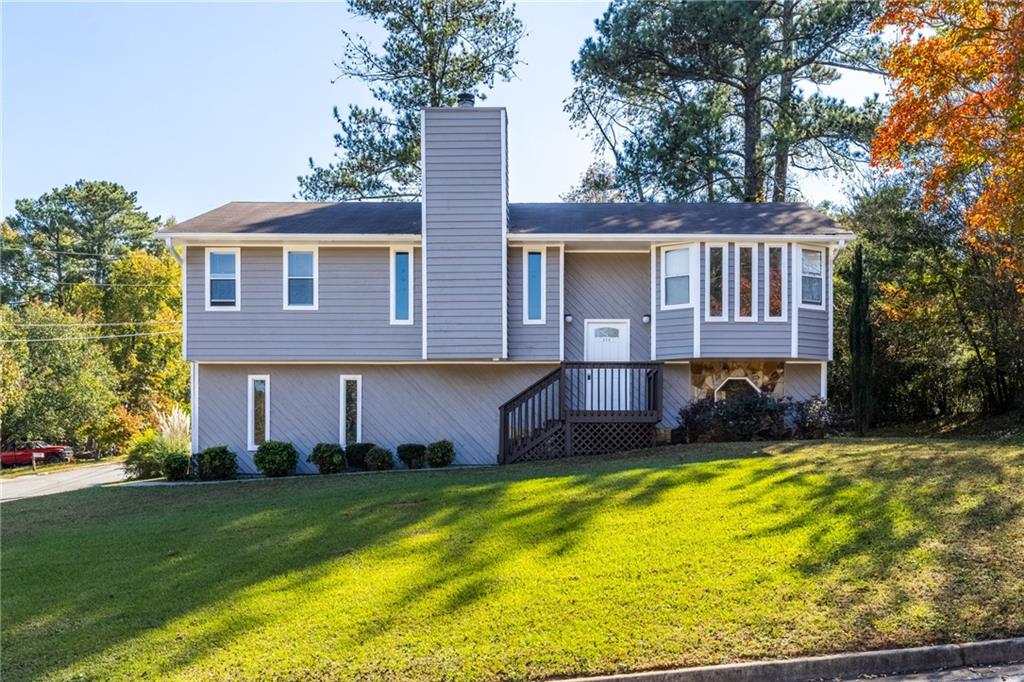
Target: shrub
[
  {"x": 759, "y": 417},
  {"x": 328, "y": 457},
  {"x": 176, "y": 466},
  {"x": 355, "y": 454},
  {"x": 217, "y": 463},
  {"x": 145, "y": 458},
  {"x": 379, "y": 458},
  {"x": 413, "y": 455},
  {"x": 276, "y": 458},
  {"x": 441, "y": 453}
]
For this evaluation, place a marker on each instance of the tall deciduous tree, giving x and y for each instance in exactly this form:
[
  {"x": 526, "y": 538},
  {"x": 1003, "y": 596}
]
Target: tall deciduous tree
[
  {"x": 861, "y": 346},
  {"x": 435, "y": 50},
  {"x": 958, "y": 92},
  {"x": 724, "y": 92}
]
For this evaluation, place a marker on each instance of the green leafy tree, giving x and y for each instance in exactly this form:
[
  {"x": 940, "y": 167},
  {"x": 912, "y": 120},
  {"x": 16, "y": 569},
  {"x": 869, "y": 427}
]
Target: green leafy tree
[
  {"x": 152, "y": 376},
  {"x": 72, "y": 235},
  {"x": 435, "y": 50},
  {"x": 702, "y": 100},
  {"x": 69, "y": 381}
]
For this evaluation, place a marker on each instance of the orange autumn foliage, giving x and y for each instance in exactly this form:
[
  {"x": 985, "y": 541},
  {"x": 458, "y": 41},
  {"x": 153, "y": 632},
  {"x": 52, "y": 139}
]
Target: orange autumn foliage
[{"x": 958, "y": 87}]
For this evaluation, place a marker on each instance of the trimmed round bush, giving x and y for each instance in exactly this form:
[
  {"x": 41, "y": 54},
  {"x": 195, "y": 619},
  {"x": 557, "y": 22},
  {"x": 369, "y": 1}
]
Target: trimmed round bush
[
  {"x": 441, "y": 453},
  {"x": 328, "y": 457},
  {"x": 176, "y": 466},
  {"x": 378, "y": 459},
  {"x": 217, "y": 463},
  {"x": 355, "y": 454},
  {"x": 413, "y": 455},
  {"x": 276, "y": 458}
]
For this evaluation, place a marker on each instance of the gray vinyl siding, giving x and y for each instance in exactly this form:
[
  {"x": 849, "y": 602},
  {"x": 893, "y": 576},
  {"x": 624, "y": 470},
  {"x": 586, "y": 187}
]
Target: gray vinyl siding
[
  {"x": 812, "y": 328},
  {"x": 463, "y": 234},
  {"x": 401, "y": 404},
  {"x": 351, "y": 323},
  {"x": 533, "y": 341},
  {"x": 802, "y": 381},
  {"x": 608, "y": 286},
  {"x": 734, "y": 339},
  {"x": 673, "y": 328}
]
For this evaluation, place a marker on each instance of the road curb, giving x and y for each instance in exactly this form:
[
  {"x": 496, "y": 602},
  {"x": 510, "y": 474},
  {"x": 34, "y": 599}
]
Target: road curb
[{"x": 838, "y": 666}]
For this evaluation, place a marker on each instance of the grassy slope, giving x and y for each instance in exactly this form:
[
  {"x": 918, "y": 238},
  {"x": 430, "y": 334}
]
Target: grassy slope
[{"x": 681, "y": 556}]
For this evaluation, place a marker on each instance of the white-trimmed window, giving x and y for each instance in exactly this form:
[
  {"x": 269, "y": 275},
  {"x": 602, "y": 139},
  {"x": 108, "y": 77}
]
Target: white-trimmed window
[
  {"x": 223, "y": 273},
  {"x": 259, "y": 410},
  {"x": 401, "y": 285},
  {"x": 745, "y": 282},
  {"x": 535, "y": 269},
  {"x": 812, "y": 277},
  {"x": 350, "y": 419},
  {"x": 716, "y": 293},
  {"x": 775, "y": 283},
  {"x": 676, "y": 290},
  {"x": 301, "y": 278}
]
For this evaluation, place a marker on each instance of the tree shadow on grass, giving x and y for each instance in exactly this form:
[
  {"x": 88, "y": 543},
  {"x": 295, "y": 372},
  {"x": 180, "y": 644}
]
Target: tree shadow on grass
[
  {"x": 139, "y": 574},
  {"x": 893, "y": 517}
]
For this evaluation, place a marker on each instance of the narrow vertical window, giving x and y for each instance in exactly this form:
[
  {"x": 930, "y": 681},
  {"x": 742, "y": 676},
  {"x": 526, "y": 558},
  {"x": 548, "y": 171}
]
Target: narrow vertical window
[
  {"x": 401, "y": 286},
  {"x": 222, "y": 279},
  {"x": 259, "y": 409},
  {"x": 745, "y": 283},
  {"x": 775, "y": 283},
  {"x": 812, "y": 277},
  {"x": 351, "y": 417},
  {"x": 534, "y": 284},
  {"x": 675, "y": 278},
  {"x": 300, "y": 278},
  {"x": 715, "y": 302}
]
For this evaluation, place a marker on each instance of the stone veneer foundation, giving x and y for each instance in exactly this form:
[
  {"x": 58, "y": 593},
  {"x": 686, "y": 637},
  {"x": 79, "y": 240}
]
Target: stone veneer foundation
[{"x": 768, "y": 375}]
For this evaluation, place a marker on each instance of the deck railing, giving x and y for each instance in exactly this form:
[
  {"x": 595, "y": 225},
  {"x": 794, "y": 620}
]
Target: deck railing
[{"x": 579, "y": 392}]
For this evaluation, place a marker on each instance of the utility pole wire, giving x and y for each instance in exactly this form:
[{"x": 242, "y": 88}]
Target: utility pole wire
[
  {"x": 93, "y": 324},
  {"x": 87, "y": 338}
]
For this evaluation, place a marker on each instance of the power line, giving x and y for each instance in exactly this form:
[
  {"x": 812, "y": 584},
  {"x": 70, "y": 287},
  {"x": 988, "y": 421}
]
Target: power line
[
  {"x": 87, "y": 338},
  {"x": 95, "y": 324},
  {"x": 28, "y": 247},
  {"x": 108, "y": 284}
]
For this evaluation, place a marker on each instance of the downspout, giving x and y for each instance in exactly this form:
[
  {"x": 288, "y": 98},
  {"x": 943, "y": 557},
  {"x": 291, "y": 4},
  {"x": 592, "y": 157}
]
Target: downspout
[{"x": 174, "y": 251}]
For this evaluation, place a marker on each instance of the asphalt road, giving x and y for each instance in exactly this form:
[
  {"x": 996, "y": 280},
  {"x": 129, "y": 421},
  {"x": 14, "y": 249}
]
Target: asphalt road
[
  {"x": 1003, "y": 673},
  {"x": 85, "y": 476}
]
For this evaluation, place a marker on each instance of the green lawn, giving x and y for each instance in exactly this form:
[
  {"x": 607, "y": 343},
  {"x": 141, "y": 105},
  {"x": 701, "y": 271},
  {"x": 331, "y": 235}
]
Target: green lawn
[{"x": 679, "y": 556}]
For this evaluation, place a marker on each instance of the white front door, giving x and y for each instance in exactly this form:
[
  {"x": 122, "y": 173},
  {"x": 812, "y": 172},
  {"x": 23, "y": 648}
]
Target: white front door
[{"x": 607, "y": 341}]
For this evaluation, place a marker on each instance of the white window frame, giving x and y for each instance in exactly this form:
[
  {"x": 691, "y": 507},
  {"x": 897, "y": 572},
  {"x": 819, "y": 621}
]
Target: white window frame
[
  {"x": 392, "y": 257},
  {"x": 752, "y": 317},
  {"x": 237, "y": 253},
  {"x": 708, "y": 317},
  {"x": 300, "y": 248},
  {"x": 543, "y": 250},
  {"x": 251, "y": 414},
  {"x": 824, "y": 279},
  {"x": 342, "y": 435},
  {"x": 694, "y": 275},
  {"x": 768, "y": 317}
]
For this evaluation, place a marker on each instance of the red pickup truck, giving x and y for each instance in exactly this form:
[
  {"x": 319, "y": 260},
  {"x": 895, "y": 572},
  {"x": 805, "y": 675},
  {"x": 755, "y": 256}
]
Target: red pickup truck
[{"x": 23, "y": 452}]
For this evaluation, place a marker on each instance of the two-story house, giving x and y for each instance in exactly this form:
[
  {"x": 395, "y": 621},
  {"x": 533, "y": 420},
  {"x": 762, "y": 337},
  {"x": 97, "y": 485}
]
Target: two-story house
[{"x": 514, "y": 330}]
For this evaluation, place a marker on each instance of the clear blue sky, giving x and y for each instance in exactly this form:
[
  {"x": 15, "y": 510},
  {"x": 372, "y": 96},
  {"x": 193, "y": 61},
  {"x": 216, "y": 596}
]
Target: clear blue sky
[{"x": 194, "y": 105}]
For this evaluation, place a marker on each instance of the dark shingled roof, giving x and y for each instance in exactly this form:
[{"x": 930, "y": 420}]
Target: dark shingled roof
[{"x": 380, "y": 218}]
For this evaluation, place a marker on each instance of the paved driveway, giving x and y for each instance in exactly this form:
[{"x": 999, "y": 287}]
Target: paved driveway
[
  {"x": 85, "y": 476},
  {"x": 1003, "y": 673}
]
